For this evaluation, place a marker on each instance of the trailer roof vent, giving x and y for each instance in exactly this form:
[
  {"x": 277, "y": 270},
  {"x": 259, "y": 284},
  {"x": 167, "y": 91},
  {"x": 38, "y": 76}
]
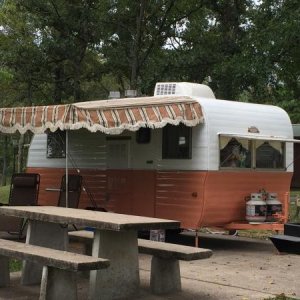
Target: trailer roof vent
[
  {"x": 183, "y": 89},
  {"x": 114, "y": 95},
  {"x": 130, "y": 93}
]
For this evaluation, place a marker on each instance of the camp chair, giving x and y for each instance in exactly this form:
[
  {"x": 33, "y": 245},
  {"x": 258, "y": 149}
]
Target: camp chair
[
  {"x": 74, "y": 191},
  {"x": 24, "y": 190}
]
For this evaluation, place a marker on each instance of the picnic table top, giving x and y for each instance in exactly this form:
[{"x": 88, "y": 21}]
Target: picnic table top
[{"x": 96, "y": 219}]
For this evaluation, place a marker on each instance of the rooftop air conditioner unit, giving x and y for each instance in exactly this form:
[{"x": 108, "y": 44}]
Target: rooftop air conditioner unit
[{"x": 183, "y": 89}]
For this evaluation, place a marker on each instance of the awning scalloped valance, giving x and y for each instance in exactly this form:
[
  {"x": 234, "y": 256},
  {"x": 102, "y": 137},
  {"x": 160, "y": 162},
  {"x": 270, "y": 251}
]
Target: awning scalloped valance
[{"x": 108, "y": 116}]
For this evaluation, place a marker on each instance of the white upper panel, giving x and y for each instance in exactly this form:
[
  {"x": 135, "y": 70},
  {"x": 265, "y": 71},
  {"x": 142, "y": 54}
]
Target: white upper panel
[
  {"x": 90, "y": 150},
  {"x": 233, "y": 117}
]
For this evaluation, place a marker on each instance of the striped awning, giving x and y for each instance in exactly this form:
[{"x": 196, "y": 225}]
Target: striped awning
[{"x": 108, "y": 116}]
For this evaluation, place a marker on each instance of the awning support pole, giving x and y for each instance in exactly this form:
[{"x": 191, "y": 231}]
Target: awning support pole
[{"x": 67, "y": 169}]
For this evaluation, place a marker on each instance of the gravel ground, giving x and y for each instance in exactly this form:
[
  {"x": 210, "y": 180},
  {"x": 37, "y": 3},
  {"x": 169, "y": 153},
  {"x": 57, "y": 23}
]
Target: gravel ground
[{"x": 240, "y": 268}]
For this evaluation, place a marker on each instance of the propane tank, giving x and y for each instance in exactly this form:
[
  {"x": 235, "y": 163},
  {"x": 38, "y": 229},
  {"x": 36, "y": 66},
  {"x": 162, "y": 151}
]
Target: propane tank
[
  {"x": 256, "y": 208},
  {"x": 274, "y": 206}
]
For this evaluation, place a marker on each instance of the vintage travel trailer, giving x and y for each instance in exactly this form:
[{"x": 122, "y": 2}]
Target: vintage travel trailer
[
  {"x": 199, "y": 172},
  {"x": 181, "y": 155}
]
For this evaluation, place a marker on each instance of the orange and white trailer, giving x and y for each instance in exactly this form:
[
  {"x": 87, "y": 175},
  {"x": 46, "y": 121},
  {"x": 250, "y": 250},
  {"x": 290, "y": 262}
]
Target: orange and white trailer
[{"x": 181, "y": 154}]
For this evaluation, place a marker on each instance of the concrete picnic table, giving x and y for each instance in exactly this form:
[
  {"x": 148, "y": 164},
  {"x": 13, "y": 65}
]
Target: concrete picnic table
[{"x": 115, "y": 238}]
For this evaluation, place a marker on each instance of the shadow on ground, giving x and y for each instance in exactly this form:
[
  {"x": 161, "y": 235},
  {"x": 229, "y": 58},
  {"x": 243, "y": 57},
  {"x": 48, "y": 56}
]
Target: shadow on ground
[{"x": 221, "y": 242}]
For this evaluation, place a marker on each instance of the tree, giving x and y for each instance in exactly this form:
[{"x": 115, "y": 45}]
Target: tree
[
  {"x": 54, "y": 46},
  {"x": 209, "y": 49},
  {"x": 54, "y": 51},
  {"x": 20, "y": 58},
  {"x": 137, "y": 33},
  {"x": 275, "y": 39}
]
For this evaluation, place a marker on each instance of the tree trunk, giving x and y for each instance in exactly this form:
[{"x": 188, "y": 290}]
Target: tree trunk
[
  {"x": 136, "y": 46},
  {"x": 77, "y": 86},
  {"x": 58, "y": 84},
  {"x": 4, "y": 170},
  {"x": 29, "y": 92},
  {"x": 20, "y": 154}
]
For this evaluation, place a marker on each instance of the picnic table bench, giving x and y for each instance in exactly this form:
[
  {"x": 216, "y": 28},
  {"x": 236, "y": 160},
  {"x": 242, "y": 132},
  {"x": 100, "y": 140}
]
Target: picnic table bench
[
  {"x": 59, "y": 267},
  {"x": 165, "y": 269}
]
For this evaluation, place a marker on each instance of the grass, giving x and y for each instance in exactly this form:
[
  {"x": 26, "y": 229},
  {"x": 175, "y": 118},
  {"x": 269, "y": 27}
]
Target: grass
[
  {"x": 256, "y": 234},
  {"x": 15, "y": 265},
  {"x": 4, "y": 194},
  {"x": 292, "y": 208}
]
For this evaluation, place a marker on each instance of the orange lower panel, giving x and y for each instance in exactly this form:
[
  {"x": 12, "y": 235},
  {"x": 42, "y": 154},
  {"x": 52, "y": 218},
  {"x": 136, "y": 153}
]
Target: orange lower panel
[
  {"x": 180, "y": 196},
  {"x": 225, "y": 193},
  {"x": 194, "y": 198}
]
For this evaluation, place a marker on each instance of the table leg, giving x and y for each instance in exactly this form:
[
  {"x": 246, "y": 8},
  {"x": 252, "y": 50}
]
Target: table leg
[
  {"x": 45, "y": 234},
  {"x": 58, "y": 284},
  {"x": 121, "y": 279},
  {"x": 4, "y": 271}
]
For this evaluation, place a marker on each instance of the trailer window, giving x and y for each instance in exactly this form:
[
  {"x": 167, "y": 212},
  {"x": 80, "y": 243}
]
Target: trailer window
[
  {"x": 269, "y": 154},
  {"x": 56, "y": 144},
  {"x": 143, "y": 136},
  {"x": 235, "y": 153},
  {"x": 177, "y": 142}
]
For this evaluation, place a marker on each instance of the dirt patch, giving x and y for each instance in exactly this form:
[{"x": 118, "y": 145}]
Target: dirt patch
[{"x": 246, "y": 264}]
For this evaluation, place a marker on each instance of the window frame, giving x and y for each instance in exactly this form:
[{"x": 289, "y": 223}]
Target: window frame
[
  {"x": 61, "y": 136},
  {"x": 143, "y": 135},
  {"x": 283, "y": 154},
  {"x": 253, "y": 149},
  {"x": 177, "y": 131}
]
